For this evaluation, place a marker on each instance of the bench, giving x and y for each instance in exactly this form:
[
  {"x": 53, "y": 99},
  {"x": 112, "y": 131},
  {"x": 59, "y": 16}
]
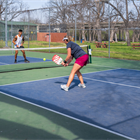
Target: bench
[
  {"x": 135, "y": 45},
  {"x": 99, "y": 44}
]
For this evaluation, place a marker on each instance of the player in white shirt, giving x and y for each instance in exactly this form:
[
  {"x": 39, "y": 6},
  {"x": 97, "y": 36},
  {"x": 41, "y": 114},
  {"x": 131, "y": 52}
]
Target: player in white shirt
[{"x": 19, "y": 41}]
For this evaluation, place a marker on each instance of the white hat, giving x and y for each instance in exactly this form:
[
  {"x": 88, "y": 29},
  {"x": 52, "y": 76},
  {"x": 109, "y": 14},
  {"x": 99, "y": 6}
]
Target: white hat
[{"x": 65, "y": 38}]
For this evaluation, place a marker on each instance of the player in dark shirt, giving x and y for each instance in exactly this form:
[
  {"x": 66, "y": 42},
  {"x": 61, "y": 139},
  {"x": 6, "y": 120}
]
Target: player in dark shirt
[{"x": 74, "y": 51}]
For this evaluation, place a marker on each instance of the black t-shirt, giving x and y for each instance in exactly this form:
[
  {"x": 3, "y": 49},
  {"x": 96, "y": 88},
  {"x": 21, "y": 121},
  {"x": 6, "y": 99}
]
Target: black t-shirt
[{"x": 76, "y": 50}]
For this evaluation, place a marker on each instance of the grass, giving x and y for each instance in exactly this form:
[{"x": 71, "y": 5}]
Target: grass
[
  {"x": 41, "y": 44},
  {"x": 118, "y": 50},
  {"x": 35, "y": 44}
]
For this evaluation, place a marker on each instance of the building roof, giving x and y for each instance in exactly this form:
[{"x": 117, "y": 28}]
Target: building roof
[{"x": 18, "y": 23}]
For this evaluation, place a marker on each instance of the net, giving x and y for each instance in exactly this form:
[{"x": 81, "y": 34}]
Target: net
[{"x": 34, "y": 55}]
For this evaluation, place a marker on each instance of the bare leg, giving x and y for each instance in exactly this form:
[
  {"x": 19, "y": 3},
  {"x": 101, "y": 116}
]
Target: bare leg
[
  {"x": 24, "y": 54},
  {"x": 76, "y": 68},
  {"x": 80, "y": 77},
  {"x": 16, "y": 53}
]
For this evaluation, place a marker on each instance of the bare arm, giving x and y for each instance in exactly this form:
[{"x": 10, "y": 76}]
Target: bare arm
[
  {"x": 68, "y": 54},
  {"x": 14, "y": 40},
  {"x": 69, "y": 61},
  {"x": 68, "y": 58}
]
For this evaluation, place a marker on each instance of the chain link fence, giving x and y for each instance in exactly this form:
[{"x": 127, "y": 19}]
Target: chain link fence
[{"x": 46, "y": 27}]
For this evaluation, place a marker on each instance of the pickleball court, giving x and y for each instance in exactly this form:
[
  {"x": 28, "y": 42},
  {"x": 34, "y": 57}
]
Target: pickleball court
[{"x": 110, "y": 103}]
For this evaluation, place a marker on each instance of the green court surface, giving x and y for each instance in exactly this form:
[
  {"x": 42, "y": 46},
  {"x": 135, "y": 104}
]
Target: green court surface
[{"x": 20, "y": 120}]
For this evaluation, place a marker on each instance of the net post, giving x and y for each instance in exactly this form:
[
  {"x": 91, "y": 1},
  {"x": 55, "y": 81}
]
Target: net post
[{"x": 89, "y": 53}]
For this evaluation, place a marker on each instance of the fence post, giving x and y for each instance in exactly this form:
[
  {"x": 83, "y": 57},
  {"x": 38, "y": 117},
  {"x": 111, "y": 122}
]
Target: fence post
[
  {"x": 28, "y": 28},
  {"x": 75, "y": 24},
  {"x": 6, "y": 41},
  {"x": 108, "y": 29},
  {"x": 11, "y": 35},
  {"x": 49, "y": 29}
]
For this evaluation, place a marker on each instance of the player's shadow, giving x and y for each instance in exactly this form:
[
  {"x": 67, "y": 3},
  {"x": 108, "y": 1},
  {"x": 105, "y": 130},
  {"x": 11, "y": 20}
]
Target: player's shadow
[
  {"x": 23, "y": 131},
  {"x": 21, "y": 61},
  {"x": 75, "y": 83}
]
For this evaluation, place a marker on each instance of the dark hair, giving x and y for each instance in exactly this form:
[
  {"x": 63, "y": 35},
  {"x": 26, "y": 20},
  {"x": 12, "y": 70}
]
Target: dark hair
[{"x": 20, "y": 30}]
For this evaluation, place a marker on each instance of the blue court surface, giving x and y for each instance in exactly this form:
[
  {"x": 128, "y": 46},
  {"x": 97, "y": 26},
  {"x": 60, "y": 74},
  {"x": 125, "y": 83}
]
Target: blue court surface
[
  {"x": 110, "y": 101},
  {"x": 8, "y": 60}
]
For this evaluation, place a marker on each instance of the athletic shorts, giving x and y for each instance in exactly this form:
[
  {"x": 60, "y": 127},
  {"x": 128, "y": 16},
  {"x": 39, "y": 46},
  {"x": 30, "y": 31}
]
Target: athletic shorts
[
  {"x": 82, "y": 61},
  {"x": 19, "y": 47}
]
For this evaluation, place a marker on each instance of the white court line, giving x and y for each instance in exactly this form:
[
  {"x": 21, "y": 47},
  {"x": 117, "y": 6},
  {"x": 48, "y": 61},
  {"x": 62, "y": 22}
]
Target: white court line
[
  {"x": 130, "y": 69},
  {"x": 73, "y": 118},
  {"x": 23, "y": 63},
  {"x": 53, "y": 78},
  {"x": 4, "y": 63},
  {"x": 112, "y": 83},
  {"x": 114, "y": 67},
  {"x": 23, "y": 57},
  {"x": 49, "y": 60},
  {"x": 103, "y": 66}
]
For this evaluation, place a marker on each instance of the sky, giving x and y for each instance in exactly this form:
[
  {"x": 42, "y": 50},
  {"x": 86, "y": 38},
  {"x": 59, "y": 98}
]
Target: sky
[{"x": 34, "y": 4}]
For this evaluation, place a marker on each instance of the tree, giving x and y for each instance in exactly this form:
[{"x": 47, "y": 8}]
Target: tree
[
  {"x": 13, "y": 8},
  {"x": 126, "y": 19},
  {"x": 59, "y": 12},
  {"x": 114, "y": 19},
  {"x": 31, "y": 19},
  {"x": 100, "y": 7},
  {"x": 91, "y": 14}
]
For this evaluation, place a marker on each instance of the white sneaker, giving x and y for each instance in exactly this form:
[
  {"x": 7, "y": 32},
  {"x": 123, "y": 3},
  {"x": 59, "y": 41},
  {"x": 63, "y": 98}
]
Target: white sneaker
[
  {"x": 64, "y": 87},
  {"x": 82, "y": 85}
]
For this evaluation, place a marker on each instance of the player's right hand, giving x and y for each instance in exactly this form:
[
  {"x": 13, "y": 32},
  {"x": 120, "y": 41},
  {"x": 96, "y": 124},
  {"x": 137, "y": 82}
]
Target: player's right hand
[
  {"x": 66, "y": 65},
  {"x": 63, "y": 64}
]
